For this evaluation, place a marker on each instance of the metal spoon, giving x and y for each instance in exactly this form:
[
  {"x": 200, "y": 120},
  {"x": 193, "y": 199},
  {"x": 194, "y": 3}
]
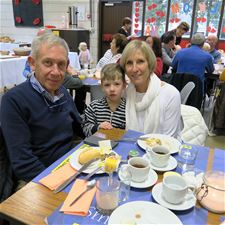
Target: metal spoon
[{"x": 90, "y": 185}]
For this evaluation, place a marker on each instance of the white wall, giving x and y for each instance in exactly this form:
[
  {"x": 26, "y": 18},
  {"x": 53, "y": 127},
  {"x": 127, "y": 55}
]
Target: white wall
[{"x": 53, "y": 10}]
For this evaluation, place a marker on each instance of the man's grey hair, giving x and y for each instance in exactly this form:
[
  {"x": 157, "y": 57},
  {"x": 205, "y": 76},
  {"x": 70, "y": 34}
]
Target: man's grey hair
[
  {"x": 49, "y": 39},
  {"x": 198, "y": 39}
]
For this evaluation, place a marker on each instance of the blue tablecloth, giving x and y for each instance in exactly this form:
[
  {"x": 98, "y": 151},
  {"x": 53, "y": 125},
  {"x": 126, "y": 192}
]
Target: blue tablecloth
[{"x": 192, "y": 216}]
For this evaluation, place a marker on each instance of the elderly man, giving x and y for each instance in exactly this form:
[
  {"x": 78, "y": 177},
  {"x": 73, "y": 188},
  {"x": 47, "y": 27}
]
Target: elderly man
[
  {"x": 38, "y": 117},
  {"x": 212, "y": 41},
  {"x": 194, "y": 59}
]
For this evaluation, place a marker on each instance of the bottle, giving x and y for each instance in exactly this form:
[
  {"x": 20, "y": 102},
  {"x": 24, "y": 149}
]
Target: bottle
[{"x": 132, "y": 153}]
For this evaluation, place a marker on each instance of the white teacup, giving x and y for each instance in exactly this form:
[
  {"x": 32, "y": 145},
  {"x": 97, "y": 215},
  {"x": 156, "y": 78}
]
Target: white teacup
[
  {"x": 159, "y": 155},
  {"x": 139, "y": 168},
  {"x": 175, "y": 189}
]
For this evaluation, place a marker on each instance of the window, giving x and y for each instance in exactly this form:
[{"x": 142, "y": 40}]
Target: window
[
  {"x": 137, "y": 12},
  {"x": 180, "y": 11},
  {"x": 155, "y": 17},
  {"x": 204, "y": 15},
  {"x": 222, "y": 31}
]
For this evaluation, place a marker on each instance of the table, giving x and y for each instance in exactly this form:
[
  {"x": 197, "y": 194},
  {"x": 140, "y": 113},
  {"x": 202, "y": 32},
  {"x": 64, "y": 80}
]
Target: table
[
  {"x": 11, "y": 71},
  {"x": 33, "y": 203},
  {"x": 8, "y": 46}
]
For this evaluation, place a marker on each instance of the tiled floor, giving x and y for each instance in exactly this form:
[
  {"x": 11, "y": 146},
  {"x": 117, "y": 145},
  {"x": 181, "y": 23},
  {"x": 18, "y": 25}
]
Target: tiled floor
[{"x": 216, "y": 142}]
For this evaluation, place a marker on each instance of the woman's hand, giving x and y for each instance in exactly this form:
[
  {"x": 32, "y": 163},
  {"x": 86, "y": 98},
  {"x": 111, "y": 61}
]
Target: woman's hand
[{"x": 106, "y": 125}]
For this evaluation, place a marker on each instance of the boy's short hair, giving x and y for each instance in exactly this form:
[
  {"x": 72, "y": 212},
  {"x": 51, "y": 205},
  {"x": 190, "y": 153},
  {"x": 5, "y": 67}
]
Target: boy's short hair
[
  {"x": 126, "y": 20},
  {"x": 184, "y": 26},
  {"x": 112, "y": 71}
]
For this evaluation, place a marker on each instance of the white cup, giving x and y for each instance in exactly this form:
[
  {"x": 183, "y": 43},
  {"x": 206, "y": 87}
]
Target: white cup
[
  {"x": 139, "y": 168},
  {"x": 159, "y": 155},
  {"x": 175, "y": 189}
]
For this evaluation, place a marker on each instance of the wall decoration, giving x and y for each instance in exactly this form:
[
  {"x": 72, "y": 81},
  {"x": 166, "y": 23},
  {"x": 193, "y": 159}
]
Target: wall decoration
[
  {"x": 205, "y": 16},
  {"x": 28, "y": 13}
]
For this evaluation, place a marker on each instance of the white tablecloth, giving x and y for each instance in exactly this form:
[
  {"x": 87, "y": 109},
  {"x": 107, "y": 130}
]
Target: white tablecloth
[
  {"x": 11, "y": 70},
  {"x": 8, "y": 46},
  {"x": 74, "y": 60}
]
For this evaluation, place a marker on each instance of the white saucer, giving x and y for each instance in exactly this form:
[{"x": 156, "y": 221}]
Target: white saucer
[
  {"x": 152, "y": 179},
  {"x": 172, "y": 164},
  {"x": 187, "y": 204}
]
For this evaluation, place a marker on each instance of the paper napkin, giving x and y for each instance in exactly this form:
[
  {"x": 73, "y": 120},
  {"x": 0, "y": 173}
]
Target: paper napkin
[
  {"x": 82, "y": 205},
  {"x": 54, "y": 179}
]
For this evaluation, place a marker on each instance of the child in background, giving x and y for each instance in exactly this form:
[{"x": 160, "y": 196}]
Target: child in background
[
  {"x": 109, "y": 111},
  {"x": 84, "y": 55},
  {"x": 206, "y": 47}
]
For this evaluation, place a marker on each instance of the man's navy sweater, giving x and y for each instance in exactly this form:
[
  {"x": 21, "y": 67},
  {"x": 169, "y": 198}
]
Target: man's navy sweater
[{"x": 37, "y": 132}]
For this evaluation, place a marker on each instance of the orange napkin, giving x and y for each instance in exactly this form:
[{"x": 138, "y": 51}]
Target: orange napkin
[
  {"x": 82, "y": 205},
  {"x": 54, "y": 179}
]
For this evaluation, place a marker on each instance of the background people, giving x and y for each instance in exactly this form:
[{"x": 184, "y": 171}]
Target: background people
[
  {"x": 194, "y": 60},
  {"x": 84, "y": 55},
  {"x": 182, "y": 28},
  {"x": 152, "y": 106},
  {"x": 212, "y": 41},
  {"x": 38, "y": 117},
  {"x": 109, "y": 111},
  {"x": 113, "y": 54},
  {"x": 167, "y": 50},
  {"x": 125, "y": 29},
  {"x": 155, "y": 44}
]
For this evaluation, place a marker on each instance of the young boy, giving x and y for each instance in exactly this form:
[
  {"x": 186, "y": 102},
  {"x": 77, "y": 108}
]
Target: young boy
[{"x": 109, "y": 111}]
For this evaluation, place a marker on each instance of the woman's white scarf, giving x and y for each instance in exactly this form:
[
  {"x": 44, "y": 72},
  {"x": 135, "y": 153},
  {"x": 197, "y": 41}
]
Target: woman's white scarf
[{"x": 149, "y": 104}]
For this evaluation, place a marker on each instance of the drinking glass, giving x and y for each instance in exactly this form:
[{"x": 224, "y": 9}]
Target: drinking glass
[
  {"x": 107, "y": 195},
  {"x": 125, "y": 180},
  {"x": 187, "y": 157}
]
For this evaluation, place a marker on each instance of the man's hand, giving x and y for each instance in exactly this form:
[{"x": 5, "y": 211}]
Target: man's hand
[
  {"x": 106, "y": 125},
  {"x": 71, "y": 71}
]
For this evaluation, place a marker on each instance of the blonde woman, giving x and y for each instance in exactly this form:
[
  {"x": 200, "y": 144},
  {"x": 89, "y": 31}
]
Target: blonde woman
[{"x": 152, "y": 106}]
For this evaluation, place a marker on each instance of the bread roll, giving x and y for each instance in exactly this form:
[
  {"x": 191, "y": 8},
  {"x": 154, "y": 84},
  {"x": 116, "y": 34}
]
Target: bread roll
[{"x": 88, "y": 154}]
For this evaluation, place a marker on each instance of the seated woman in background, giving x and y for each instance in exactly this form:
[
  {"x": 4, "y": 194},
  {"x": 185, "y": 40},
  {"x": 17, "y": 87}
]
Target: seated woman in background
[
  {"x": 112, "y": 55},
  {"x": 155, "y": 44},
  {"x": 152, "y": 106}
]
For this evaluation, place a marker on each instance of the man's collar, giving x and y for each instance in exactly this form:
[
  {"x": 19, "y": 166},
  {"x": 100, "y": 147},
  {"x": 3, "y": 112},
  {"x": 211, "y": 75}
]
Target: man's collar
[{"x": 39, "y": 88}]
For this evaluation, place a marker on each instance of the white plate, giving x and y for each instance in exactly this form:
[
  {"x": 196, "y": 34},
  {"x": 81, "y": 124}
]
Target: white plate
[
  {"x": 151, "y": 180},
  {"x": 157, "y": 195},
  {"x": 170, "y": 142},
  {"x": 142, "y": 212},
  {"x": 172, "y": 164},
  {"x": 76, "y": 165}
]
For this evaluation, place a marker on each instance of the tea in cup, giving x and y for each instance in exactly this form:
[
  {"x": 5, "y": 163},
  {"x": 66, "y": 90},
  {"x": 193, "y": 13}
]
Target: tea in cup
[
  {"x": 175, "y": 189},
  {"x": 159, "y": 155},
  {"x": 139, "y": 168}
]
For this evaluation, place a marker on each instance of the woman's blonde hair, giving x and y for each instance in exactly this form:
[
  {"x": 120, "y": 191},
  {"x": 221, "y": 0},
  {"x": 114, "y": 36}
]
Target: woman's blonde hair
[{"x": 134, "y": 46}]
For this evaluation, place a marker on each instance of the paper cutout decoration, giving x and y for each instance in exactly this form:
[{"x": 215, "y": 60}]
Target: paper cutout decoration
[
  {"x": 28, "y": 13},
  {"x": 211, "y": 29},
  {"x": 202, "y": 6},
  {"x": 175, "y": 8},
  {"x": 36, "y": 21},
  {"x": 186, "y": 7},
  {"x": 215, "y": 9}
]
